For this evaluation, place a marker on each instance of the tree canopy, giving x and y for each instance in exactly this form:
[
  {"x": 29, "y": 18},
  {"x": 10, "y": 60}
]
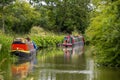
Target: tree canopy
[
  {"x": 54, "y": 15},
  {"x": 20, "y": 17},
  {"x": 64, "y": 15}
]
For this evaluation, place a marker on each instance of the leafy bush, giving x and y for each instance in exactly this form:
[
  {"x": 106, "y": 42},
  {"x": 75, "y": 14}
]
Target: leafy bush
[
  {"x": 47, "y": 41},
  {"x": 6, "y": 41},
  {"x": 104, "y": 34}
]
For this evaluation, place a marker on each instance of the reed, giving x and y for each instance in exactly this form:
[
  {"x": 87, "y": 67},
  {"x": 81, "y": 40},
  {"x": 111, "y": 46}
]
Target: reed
[
  {"x": 45, "y": 38},
  {"x": 47, "y": 41},
  {"x": 5, "y": 41}
]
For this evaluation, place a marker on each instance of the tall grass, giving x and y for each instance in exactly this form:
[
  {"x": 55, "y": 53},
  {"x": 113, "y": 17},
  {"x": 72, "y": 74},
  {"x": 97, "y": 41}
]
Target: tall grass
[
  {"x": 5, "y": 41},
  {"x": 45, "y": 38},
  {"x": 48, "y": 41}
]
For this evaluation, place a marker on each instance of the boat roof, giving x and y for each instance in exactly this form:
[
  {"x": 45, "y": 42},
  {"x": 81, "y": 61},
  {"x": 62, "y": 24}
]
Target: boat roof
[{"x": 23, "y": 40}]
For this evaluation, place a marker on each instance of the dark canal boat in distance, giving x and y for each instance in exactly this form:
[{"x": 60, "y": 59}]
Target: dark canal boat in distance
[{"x": 22, "y": 47}]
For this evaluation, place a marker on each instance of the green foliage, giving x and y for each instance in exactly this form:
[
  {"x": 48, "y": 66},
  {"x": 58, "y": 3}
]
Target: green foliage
[
  {"x": 54, "y": 15},
  {"x": 3, "y": 5},
  {"x": 19, "y": 17},
  {"x": 5, "y": 41},
  {"x": 22, "y": 17},
  {"x": 6, "y": 1},
  {"x": 104, "y": 33},
  {"x": 63, "y": 16},
  {"x": 47, "y": 41},
  {"x": 45, "y": 38}
]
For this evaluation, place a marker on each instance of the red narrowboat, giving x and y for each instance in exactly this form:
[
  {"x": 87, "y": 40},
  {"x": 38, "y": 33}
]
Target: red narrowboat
[{"x": 21, "y": 47}]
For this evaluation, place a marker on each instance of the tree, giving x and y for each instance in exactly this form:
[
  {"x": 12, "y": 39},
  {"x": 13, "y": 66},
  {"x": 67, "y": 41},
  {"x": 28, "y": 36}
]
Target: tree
[
  {"x": 64, "y": 15},
  {"x": 3, "y": 5},
  {"x": 104, "y": 32},
  {"x": 21, "y": 18}
]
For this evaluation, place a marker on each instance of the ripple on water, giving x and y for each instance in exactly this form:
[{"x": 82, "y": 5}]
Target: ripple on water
[{"x": 68, "y": 71}]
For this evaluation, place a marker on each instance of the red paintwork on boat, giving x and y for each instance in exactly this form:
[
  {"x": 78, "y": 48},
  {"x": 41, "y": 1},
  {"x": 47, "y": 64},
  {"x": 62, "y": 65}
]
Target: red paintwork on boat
[
  {"x": 19, "y": 47},
  {"x": 67, "y": 44},
  {"x": 73, "y": 40}
]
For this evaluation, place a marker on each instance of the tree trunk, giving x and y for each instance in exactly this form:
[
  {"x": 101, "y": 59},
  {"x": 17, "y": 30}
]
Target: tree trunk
[
  {"x": 3, "y": 19},
  {"x": 3, "y": 23}
]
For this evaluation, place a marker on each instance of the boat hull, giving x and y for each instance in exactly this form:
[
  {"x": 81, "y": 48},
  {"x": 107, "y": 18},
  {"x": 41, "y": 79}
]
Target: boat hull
[
  {"x": 73, "y": 44},
  {"x": 67, "y": 44},
  {"x": 21, "y": 54}
]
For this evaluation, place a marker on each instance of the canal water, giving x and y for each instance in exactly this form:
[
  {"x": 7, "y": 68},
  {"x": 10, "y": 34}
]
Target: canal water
[{"x": 57, "y": 64}]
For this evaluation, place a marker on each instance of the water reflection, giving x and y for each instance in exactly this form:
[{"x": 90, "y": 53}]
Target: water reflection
[
  {"x": 107, "y": 73},
  {"x": 22, "y": 67},
  {"x": 70, "y": 65},
  {"x": 57, "y": 64},
  {"x": 70, "y": 52}
]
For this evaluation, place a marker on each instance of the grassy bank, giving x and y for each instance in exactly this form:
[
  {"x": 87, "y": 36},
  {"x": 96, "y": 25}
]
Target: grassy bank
[{"x": 5, "y": 41}]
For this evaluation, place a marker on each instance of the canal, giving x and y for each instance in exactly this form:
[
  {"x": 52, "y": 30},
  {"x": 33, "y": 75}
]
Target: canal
[{"x": 57, "y": 64}]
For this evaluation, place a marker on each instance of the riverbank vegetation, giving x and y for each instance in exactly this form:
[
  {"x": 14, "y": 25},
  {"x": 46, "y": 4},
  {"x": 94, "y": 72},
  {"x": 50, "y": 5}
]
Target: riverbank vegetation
[
  {"x": 5, "y": 41},
  {"x": 45, "y": 39},
  {"x": 104, "y": 32}
]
